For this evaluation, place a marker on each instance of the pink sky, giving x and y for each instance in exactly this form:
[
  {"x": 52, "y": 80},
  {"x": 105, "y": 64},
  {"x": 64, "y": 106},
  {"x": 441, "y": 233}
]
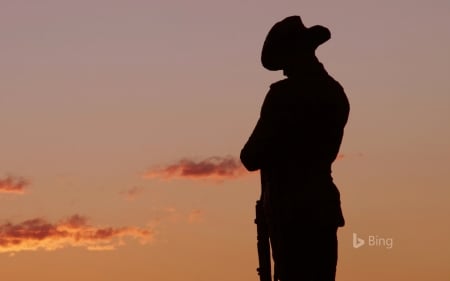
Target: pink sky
[{"x": 96, "y": 94}]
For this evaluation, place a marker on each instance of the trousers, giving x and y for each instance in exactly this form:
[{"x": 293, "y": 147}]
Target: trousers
[{"x": 305, "y": 254}]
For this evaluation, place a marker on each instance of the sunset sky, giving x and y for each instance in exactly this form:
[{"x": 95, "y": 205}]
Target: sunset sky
[{"x": 122, "y": 121}]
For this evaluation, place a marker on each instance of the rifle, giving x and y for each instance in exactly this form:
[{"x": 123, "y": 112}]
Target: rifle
[{"x": 263, "y": 244}]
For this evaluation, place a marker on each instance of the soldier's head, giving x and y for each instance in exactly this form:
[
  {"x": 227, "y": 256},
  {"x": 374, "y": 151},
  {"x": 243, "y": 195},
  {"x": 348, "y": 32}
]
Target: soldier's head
[{"x": 290, "y": 44}]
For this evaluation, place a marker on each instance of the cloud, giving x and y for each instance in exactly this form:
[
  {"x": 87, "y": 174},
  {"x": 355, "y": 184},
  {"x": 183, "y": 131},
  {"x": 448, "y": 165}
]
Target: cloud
[
  {"x": 349, "y": 156},
  {"x": 132, "y": 193},
  {"x": 15, "y": 185},
  {"x": 169, "y": 214},
  {"x": 195, "y": 216},
  {"x": 39, "y": 234},
  {"x": 219, "y": 168},
  {"x": 175, "y": 216}
]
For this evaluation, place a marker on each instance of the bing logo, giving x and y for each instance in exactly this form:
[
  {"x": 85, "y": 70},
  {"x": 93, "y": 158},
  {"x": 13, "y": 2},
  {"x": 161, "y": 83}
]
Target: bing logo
[
  {"x": 357, "y": 242},
  {"x": 372, "y": 241}
]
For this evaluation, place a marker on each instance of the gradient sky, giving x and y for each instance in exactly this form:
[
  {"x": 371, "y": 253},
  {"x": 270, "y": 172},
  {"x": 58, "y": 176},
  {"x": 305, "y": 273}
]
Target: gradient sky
[{"x": 104, "y": 103}]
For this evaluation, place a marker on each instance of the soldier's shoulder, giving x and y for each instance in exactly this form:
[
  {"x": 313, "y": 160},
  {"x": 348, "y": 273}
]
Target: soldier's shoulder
[{"x": 280, "y": 85}]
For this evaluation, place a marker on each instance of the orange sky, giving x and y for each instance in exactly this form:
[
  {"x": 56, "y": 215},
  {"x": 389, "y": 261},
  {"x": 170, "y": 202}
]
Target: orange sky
[{"x": 121, "y": 122}]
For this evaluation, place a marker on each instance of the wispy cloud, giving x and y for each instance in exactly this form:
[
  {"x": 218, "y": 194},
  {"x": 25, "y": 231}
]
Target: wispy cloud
[
  {"x": 39, "y": 234},
  {"x": 175, "y": 216},
  {"x": 219, "y": 168},
  {"x": 342, "y": 156},
  {"x": 15, "y": 185},
  {"x": 132, "y": 193},
  {"x": 195, "y": 216}
]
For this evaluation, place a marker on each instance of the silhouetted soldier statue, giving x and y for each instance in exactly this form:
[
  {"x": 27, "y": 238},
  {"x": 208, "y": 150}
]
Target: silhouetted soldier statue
[{"x": 294, "y": 143}]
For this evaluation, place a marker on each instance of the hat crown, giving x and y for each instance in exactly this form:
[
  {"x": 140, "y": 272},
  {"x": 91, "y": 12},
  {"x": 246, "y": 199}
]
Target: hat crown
[{"x": 288, "y": 37}]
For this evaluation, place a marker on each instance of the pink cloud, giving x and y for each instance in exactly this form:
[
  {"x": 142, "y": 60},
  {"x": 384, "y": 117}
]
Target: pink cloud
[
  {"x": 210, "y": 168},
  {"x": 15, "y": 185},
  {"x": 39, "y": 234}
]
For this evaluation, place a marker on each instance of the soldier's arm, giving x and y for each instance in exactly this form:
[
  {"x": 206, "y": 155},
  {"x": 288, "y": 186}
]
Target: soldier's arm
[{"x": 256, "y": 151}]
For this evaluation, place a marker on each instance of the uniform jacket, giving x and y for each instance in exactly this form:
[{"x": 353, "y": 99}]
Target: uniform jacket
[{"x": 294, "y": 144}]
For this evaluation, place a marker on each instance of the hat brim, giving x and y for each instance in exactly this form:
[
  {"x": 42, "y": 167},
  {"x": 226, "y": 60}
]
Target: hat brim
[{"x": 288, "y": 37}]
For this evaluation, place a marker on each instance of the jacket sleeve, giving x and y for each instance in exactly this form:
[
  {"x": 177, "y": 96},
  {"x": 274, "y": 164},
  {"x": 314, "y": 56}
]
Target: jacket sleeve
[{"x": 254, "y": 154}]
